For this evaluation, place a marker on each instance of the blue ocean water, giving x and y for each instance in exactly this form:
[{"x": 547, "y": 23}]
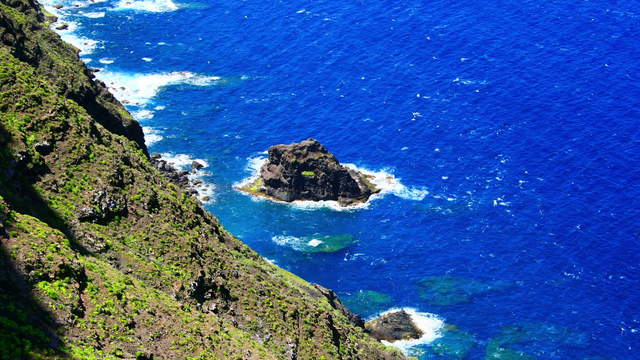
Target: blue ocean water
[{"x": 512, "y": 129}]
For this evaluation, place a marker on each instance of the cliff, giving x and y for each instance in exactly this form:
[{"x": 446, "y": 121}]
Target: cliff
[{"x": 102, "y": 257}]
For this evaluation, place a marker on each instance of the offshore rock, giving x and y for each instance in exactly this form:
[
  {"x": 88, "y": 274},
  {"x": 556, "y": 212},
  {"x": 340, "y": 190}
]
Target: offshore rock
[
  {"x": 393, "y": 326},
  {"x": 308, "y": 171}
]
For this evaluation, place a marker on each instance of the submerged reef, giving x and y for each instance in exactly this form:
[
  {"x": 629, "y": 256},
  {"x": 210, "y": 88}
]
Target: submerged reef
[
  {"x": 308, "y": 171},
  {"x": 316, "y": 243}
]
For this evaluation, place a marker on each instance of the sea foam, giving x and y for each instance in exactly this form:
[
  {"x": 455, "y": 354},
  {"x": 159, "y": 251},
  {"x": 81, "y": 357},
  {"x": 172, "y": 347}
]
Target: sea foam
[
  {"x": 156, "y": 6},
  {"x": 138, "y": 89},
  {"x": 183, "y": 162},
  {"x": 151, "y": 135},
  {"x": 382, "y": 179},
  {"x": 93, "y": 15}
]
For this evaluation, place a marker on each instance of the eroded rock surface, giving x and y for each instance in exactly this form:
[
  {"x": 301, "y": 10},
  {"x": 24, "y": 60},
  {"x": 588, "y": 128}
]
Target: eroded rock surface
[
  {"x": 308, "y": 171},
  {"x": 393, "y": 326}
]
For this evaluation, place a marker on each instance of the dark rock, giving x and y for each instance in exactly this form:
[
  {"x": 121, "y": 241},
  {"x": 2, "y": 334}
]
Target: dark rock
[
  {"x": 143, "y": 355},
  {"x": 155, "y": 156},
  {"x": 63, "y": 26},
  {"x": 335, "y": 302},
  {"x": 43, "y": 148},
  {"x": 393, "y": 326},
  {"x": 196, "y": 165},
  {"x": 105, "y": 207},
  {"x": 308, "y": 171},
  {"x": 58, "y": 6}
]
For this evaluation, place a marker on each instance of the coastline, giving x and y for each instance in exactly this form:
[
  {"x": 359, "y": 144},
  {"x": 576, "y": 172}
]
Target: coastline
[{"x": 108, "y": 259}]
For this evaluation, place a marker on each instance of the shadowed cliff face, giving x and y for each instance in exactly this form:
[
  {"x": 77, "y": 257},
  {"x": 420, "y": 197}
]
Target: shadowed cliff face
[{"x": 108, "y": 259}]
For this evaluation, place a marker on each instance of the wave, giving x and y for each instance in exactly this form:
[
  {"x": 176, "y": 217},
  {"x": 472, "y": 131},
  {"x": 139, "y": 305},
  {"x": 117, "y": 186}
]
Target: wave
[
  {"x": 138, "y": 89},
  {"x": 106, "y": 61},
  {"x": 197, "y": 181},
  {"x": 151, "y": 135},
  {"x": 141, "y": 115},
  {"x": 156, "y": 6},
  {"x": 382, "y": 179},
  {"x": 93, "y": 14},
  {"x": 430, "y": 324},
  {"x": 85, "y": 45}
]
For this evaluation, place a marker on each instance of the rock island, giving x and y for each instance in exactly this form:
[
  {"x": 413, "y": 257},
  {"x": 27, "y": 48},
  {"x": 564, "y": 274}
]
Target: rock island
[{"x": 308, "y": 171}]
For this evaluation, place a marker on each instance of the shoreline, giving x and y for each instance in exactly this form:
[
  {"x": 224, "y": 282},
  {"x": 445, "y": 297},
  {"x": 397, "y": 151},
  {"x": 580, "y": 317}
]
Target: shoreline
[{"x": 383, "y": 180}]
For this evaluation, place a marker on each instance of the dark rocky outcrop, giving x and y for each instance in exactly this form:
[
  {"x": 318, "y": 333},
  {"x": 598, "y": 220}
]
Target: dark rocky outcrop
[
  {"x": 393, "y": 326},
  {"x": 335, "y": 302},
  {"x": 178, "y": 176},
  {"x": 308, "y": 171}
]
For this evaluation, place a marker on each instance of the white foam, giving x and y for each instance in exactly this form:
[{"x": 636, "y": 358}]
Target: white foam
[
  {"x": 183, "y": 161},
  {"x": 314, "y": 242},
  {"x": 106, "y": 61},
  {"x": 383, "y": 180},
  {"x": 137, "y": 89},
  {"x": 156, "y": 6},
  {"x": 389, "y": 184},
  {"x": 85, "y": 45},
  {"x": 93, "y": 15},
  {"x": 430, "y": 324},
  {"x": 141, "y": 115},
  {"x": 147, "y": 59},
  {"x": 285, "y": 240},
  {"x": 151, "y": 135}
]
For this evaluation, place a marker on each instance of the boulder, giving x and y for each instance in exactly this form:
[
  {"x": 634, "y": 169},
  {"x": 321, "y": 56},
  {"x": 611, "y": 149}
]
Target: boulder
[
  {"x": 393, "y": 326},
  {"x": 43, "y": 148},
  {"x": 308, "y": 171},
  {"x": 196, "y": 165}
]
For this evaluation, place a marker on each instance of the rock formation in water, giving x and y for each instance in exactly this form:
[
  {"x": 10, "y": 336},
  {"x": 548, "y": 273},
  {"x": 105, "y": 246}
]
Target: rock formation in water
[
  {"x": 105, "y": 255},
  {"x": 308, "y": 171},
  {"x": 393, "y": 326}
]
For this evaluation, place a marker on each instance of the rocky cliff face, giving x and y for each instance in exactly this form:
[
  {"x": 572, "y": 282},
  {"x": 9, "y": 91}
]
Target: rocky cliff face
[
  {"x": 308, "y": 171},
  {"x": 24, "y": 34},
  {"x": 102, "y": 257}
]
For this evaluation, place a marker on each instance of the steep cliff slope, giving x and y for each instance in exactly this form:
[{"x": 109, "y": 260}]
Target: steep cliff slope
[{"x": 102, "y": 257}]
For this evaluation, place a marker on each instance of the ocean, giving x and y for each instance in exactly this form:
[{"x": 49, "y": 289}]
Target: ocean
[{"x": 507, "y": 132}]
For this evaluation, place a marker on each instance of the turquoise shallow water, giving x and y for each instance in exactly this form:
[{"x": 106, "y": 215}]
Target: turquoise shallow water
[{"x": 511, "y": 130}]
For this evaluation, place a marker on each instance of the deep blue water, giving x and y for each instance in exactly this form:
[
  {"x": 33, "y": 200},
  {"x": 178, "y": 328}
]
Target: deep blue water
[{"x": 519, "y": 118}]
